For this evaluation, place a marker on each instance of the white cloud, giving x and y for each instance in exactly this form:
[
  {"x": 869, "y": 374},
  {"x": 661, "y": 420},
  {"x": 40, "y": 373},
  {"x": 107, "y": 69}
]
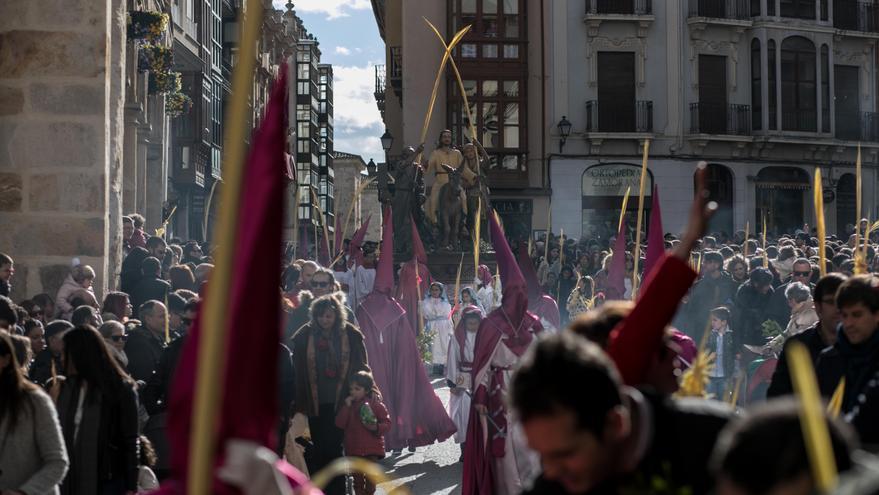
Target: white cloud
[
  {"x": 341, "y": 50},
  {"x": 333, "y": 9},
  {"x": 358, "y": 121}
]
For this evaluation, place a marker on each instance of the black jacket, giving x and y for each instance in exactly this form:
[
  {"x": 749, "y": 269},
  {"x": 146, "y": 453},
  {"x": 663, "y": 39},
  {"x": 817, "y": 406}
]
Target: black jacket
[
  {"x": 749, "y": 313},
  {"x": 781, "y": 383},
  {"x": 41, "y": 369},
  {"x": 158, "y": 386},
  {"x": 684, "y": 434},
  {"x": 148, "y": 288},
  {"x": 144, "y": 350}
]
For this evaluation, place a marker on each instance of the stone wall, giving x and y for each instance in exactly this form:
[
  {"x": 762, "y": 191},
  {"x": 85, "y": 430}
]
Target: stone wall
[{"x": 60, "y": 101}]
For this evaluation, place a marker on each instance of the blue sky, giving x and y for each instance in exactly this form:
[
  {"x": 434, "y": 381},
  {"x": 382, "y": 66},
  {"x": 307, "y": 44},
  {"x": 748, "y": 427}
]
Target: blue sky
[{"x": 350, "y": 41}]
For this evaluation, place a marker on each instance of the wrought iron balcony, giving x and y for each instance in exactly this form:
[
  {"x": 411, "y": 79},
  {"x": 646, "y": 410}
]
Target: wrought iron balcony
[
  {"x": 710, "y": 118},
  {"x": 805, "y": 120},
  {"x": 620, "y": 7},
  {"x": 721, "y": 9},
  {"x": 616, "y": 116},
  {"x": 852, "y": 15},
  {"x": 864, "y": 128},
  {"x": 380, "y": 88},
  {"x": 395, "y": 74}
]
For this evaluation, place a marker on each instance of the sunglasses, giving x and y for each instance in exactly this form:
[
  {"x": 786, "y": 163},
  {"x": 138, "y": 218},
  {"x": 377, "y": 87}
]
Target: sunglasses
[
  {"x": 803, "y": 274},
  {"x": 119, "y": 338}
]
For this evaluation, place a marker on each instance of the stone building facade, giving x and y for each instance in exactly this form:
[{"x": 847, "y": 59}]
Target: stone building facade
[{"x": 765, "y": 91}]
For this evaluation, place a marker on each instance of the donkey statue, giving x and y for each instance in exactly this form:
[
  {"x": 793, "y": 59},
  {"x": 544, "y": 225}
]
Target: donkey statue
[{"x": 450, "y": 209}]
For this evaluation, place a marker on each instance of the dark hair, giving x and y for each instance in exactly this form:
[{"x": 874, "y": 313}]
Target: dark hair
[
  {"x": 30, "y": 325},
  {"x": 83, "y": 316},
  {"x": 542, "y": 384},
  {"x": 181, "y": 277},
  {"x": 13, "y": 385},
  {"x": 56, "y": 327},
  {"x": 597, "y": 324},
  {"x": 859, "y": 289},
  {"x": 137, "y": 220},
  {"x": 7, "y": 311},
  {"x": 766, "y": 448},
  {"x": 5, "y": 259},
  {"x": 86, "y": 350},
  {"x": 290, "y": 277},
  {"x": 22, "y": 347},
  {"x": 151, "y": 266},
  {"x": 116, "y": 303},
  {"x": 148, "y": 307},
  {"x": 154, "y": 242},
  {"x": 176, "y": 303},
  {"x": 713, "y": 257},
  {"x": 187, "y": 295},
  {"x": 148, "y": 455},
  {"x": 192, "y": 305},
  {"x": 364, "y": 380},
  {"x": 329, "y": 302},
  {"x": 720, "y": 313},
  {"x": 828, "y": 284},
  {"x": 43, "y": 300}
]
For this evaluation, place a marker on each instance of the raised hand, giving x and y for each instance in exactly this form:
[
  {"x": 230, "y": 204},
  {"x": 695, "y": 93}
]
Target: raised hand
[{"x": 701, "y": 212}]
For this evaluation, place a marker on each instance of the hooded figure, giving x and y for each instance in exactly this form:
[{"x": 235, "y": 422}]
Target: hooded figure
[
  {"x": 415, "y": 280},
  {"x": 459, "y": 369},
  {"x": 497, "y": 459},
  {"x": 485, "y": 289},
  {"x": 418, "y": 417},
  {"x": 543, "y": 306},
  {"x": 437, "y": 314}
]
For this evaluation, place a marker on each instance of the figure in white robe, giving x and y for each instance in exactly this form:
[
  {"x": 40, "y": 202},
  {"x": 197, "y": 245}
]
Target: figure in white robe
[
  {"x": 437, "y": 314},
  {"x": 459, "y": 369},
  {"x": 359, "y": 280}
]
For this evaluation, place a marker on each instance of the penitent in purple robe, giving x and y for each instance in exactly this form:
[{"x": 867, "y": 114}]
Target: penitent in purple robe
[{"x": 418, "y": 417}]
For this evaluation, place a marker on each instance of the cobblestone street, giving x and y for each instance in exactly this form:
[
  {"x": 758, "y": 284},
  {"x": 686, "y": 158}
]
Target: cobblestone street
[{"x": 430, "y": 470}]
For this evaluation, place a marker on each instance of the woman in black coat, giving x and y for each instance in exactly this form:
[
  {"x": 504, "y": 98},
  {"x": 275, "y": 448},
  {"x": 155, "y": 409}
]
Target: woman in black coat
[{"x": 97, "y": 406}]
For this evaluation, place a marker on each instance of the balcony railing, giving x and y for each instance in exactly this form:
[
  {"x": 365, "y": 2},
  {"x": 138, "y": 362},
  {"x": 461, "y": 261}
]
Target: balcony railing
[
  {"x": 626, "y": 7},
  {"x": 634, "y": 116},
  {"x": 864, "y": 128},
  {"x": 800, "y": 120},
  {"x": 720, "y": 9},
  {"x": 710, "y": 118},
  {"x": 380, "y": 88},
  {"x": 395, "y": 73},
  {"x": 855, "y": 16}
]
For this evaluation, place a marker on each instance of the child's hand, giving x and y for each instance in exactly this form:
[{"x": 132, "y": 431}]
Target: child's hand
[{"x": 348, "y": 400}]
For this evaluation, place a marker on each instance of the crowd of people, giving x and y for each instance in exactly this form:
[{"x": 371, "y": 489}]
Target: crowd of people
[{"x": 564, "y": 365}]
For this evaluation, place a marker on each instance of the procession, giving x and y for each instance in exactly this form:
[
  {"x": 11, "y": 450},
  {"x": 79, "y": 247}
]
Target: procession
[{"x": 201, "y": 293}]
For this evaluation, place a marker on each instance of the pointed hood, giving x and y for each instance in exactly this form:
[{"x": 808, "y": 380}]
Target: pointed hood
[
  {"x": 418, "y": 251},
  {"x": 355, "y": 248},
  {"x": 515, "y": 295},
  {"x": 655, "y": 239},
  {"x": 527, "y": 266},
  {"x": 384, "y": 273},
  {"x": 616, "y": 272}
]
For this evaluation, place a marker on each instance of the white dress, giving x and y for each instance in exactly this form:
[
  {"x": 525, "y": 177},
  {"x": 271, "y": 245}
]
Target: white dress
[
  {"x": 458, "y": 371},
  {"x": 486, "y": 297},
  {"x": 359, "y": 280},
  {"x": 520, "y": 465},
  {"x": 437, "y": 318}
]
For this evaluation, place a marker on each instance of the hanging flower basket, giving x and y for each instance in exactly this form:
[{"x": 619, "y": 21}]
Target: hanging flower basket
[
  {"x": 144, "y": 25},
  {"x": 165, "y": 82},
  {"x": 177, "y": 104},
  {"x": 155, "y": 58}
]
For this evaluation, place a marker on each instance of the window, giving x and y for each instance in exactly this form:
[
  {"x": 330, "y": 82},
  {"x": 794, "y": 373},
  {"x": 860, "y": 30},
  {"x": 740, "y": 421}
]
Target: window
[
  {"x": 800, "y": 9},
  {"x": 825, "y": 89},
  {"x": 497, "y": 28},
  {"x": 756, "y": 87},
  {"x": 798, "y": 85},
  {"x": 773, "y": 94}
]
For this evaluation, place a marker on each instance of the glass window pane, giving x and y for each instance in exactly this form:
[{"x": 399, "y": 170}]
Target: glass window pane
[
  {"x": 490, "y": 26},
  {"x": 489, "y": 51},
  {"x": 511, "y": 163},
  {"x": 511, "y": 6},
  {"x": 511, "y": 136},
  {"x": 489, "y": 7},
  {"x": 511, "y": 26},
  {"x": 511, "y": 114},
  {"x": 489, "y": 89},
  {"x": 468, "y": 6},
  {"x": 490, "y": 137},
  {"x": 511, "y": 51},
  {"x": 468, "y": 50},
  {"x": 511, "y": 88},
  {"x": 469, "y": 87}
]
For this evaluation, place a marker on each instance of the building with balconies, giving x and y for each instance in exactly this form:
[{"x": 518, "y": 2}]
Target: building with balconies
[{"x": 766, "y": 91}]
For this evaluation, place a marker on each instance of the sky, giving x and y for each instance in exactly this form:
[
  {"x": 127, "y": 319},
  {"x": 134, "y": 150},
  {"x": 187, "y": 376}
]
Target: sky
[{"x": 349, "y": 40}]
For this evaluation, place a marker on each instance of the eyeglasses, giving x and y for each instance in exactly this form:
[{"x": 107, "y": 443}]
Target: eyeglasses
[
  {"x": 119, "y": 338},
  {"x": 803, "y": 274}
]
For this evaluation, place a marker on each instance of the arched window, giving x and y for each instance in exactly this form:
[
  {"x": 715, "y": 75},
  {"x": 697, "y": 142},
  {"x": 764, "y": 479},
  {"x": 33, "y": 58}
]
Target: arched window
[
  {"x": 798, "y": 85},
  {"x": 773, "y": 82},
  {"x": 756, "y": 87}
]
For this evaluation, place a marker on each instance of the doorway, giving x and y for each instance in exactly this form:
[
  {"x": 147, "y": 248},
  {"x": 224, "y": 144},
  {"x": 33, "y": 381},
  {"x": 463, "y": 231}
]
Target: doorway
[{"x": 780, "y": 193}]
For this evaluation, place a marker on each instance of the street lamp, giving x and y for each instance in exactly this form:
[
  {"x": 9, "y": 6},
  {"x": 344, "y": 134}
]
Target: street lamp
[
  {"x": 564, "y": 127},
  {"x": 387, "y": 141}
]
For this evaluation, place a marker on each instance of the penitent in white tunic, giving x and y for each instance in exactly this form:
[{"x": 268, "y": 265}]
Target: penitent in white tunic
[
  {"x": 437, "y": 318},
  {"x": 460, "y": 374}
]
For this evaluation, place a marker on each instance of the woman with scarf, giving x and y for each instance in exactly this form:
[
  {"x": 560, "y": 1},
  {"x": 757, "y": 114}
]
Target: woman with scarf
[
  {"x": 436, "y": 310},
  {"x": 97, "y": 406},
  {"x": 459, "y": 368},
  {"x": 327, "y": 352},
  {"x": 485, "y": 289}
]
